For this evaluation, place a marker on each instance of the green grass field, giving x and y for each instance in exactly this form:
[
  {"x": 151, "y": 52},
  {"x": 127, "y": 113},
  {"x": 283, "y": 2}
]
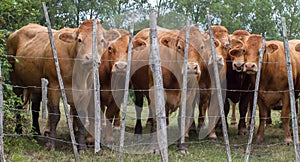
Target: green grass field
[{"x": 272, "y": 149}]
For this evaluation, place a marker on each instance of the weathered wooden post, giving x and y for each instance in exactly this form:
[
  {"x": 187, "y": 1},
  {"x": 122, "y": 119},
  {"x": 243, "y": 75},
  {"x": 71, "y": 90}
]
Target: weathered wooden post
[
  {"x": 155, "y": 65},
  {"x": 291, "y": 89},
  {"x": 2, "y": 158},
  {"x": 184, "y": 85},
  {"x": 44, "y": 97},
  {"x": 125, "y": 99},
  {"x": 96, "y": 89},
  {"x": 219, "y": 90},
  {"x": 61, "y": 85},
  {"x": 248, "y": 149}
]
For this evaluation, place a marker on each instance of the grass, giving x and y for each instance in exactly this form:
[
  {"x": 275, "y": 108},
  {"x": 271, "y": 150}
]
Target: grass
[{"x": 25, "y": 148}]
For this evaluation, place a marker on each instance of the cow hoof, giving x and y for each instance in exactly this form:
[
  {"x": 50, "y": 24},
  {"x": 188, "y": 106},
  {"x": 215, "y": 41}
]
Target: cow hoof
[
  {"x": 183, "y": 150},
  {"x": 212, "y": 139},
  {"x": 46, "y": 134},
  {"x": 268, "y": 125},
  {"x": 243, "y": 132},
  {"x": 117, "y": 128},
  {"x": 259, "y": 140},
  {"x": 50, "y": 146},
  {"x": 156, "y": 151},
  {"x": 82, "y": 149},
  {"x": 138, "y": 137}
]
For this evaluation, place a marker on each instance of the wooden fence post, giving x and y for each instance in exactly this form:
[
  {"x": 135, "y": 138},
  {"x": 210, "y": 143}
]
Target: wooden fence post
[
  {"x": 2, "y": 158},
  {"x": 184, "y": 84},
  {"x": 219, "y": 90},
  {"x": 61, "y": 85},
  {"x": 125, "y": 99},
  {"x": 248, "y": 149},
  {"x": 97, "y": 102},
  {"x": 291, "y": 89},
  {"x": 44, "y": 97},
  {"x": 158, "y": 90}
]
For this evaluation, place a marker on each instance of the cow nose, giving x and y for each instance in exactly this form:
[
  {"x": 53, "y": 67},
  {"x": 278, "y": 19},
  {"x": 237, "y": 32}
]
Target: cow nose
[
  {"x": 250, "y": 67},
  {"x": 220, "y": 60},
  {"x": 193, "y": 68},
  {"x": 121, "y": 66},
  {"x": 238, "y": 66}
]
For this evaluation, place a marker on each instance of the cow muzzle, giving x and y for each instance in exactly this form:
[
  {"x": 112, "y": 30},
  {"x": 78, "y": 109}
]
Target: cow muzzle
[
  {"x": 193, "y": 69},
  {"x": 120, "y": 67},
  {"x": 219, "y": 60},
  {"x": 88, "y": 59},
  {"x": 238, "y": 66},
  {"x": 250, "y": 68}
]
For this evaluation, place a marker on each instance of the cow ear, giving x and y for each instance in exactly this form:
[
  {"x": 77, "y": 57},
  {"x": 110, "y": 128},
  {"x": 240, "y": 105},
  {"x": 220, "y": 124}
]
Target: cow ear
[
  {"x": 235, "y": 43},
  {"x": 271, "y": 48},
  {"x": 297, "y": 48},
  {"x": 217, "y": 43},
  {"x": 111, "y": 35},
  {"x": 139, "y": 43},
  {"x": 67, "y": 37}
]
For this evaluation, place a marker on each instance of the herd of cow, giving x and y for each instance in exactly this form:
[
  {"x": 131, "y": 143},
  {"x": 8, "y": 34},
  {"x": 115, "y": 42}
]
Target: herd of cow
[{"x": 30, "y": 53}]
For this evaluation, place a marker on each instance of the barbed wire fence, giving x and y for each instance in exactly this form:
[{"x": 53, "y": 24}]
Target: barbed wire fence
[{"x": 164, "y": 154}]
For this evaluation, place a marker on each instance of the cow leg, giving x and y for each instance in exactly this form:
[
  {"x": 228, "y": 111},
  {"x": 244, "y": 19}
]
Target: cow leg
[
  {"x": 80, "y": 121},
  {"x": 18, "y": 128},
  {"x": 35, "y": 110},
  {"x": 285, "y": 118},
  {"x": 54, "y": 117},
  {"x": 117, "y": 121},
  {"x": 269, "y": 120},
  {"x": 112, "y": 109},
  {"x": 181, "y": 146},
  {"x": 138, "y": 109},
  {"x": 243, "y": 108},
  {"x": 193, "y": 128},
  {"x": 233, "y": 117},
  {"x": 262, "y": 120}
]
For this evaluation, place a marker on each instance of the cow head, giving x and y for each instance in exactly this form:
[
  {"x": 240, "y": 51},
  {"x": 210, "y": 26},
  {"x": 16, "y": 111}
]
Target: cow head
[
  {"x": 82, "y": 40},
  {"x": 236, "y": 54},
  {"x": 177, "y": 44},
  {"x": 220, "y": 33},
  {"x": 240, "y": 35},
  {"x": 253, "y": 44},
  {"x": 221, "y": 53},
  {"x": 115, "y": 56}
]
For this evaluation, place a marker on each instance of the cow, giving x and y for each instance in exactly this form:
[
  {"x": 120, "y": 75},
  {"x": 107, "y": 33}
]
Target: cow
[
  {"x": 243, "y": 36},
  {"x": 206, "y": 81},
  {"x": 112, "y": 75},
  {"x": 270, "y": 80},
  {"x": 70, "y": 44},
  {"x": 220, "y": 33},
  {"x": 171, "y": 47},
  {"x": 16, "y": 42}
]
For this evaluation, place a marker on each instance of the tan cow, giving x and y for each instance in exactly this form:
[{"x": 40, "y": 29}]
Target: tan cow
[
  {"x": 270, "y": 80},
  {"x": 171, "y": 48},
  {"x": 70, "y": 44}
]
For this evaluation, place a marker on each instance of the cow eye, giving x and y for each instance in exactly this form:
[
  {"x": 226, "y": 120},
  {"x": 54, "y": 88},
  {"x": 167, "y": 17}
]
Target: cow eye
[{"x": 79, "y": 40}]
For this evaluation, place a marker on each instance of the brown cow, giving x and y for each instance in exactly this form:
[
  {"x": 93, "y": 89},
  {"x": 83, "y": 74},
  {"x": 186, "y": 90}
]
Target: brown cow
[
  {"x": 220, "y": 33},
  {"x": 70, "y": 44},
  {"x": 171, "y": 48},
  {"x": 112, "y": 75},
  {"x": 17, "y": 41},
  {"x": 270, "y": 80}
]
